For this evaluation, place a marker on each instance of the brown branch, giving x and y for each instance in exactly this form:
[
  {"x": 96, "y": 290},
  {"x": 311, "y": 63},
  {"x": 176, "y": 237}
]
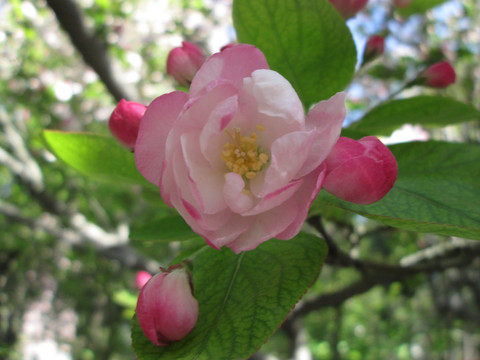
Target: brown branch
[
  {"x": 337, "y": 298},
  {"x": 109, "y": 244},
  {"x": 458, "y": 253},
  {"x": 93, "y": 51}
]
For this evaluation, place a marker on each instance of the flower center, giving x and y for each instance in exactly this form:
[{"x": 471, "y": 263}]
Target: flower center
[{"x": 242, "y": 154}]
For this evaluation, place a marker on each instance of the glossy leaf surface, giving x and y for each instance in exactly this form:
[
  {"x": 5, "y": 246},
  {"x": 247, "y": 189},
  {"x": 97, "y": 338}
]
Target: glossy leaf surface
[
  {"x": 243, "y": 298},
  {"x": 306, "y": 41}
]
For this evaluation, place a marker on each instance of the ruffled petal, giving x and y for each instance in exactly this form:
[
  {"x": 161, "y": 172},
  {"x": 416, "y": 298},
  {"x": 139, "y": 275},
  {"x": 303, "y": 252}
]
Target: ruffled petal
[
  {"x": 233, "y": 191},
  {"x": 275, "y": 198},
  {"x": 232, "y": 64},
  {"x": 213, "y": 136},
  {"x": 206, "y": 183},
  {"x": 266, "y": 226},
  {"x": 228, "y": 233},
  {"x": 326, "y": 118},
  {"x": 287, "y": 156},
  {"x": 154, "y": 128},
  {"x": 312, "y": 183},
  {"x": 275, "y": 97}
]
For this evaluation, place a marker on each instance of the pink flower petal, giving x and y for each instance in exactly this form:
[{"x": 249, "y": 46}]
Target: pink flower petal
[
  {"x": 233, "y": 192},
  {"x": 266, "y": 226},
  {"x": 275, "y": 97},
  {"x": 312, "y": 183},
  {"x": 275, "y": 198},
  {"x": 213, "y": 136},
  {"x": 288, "y": 155},
  {"x": 228, "y": 233},
  {"x": 205, "y": 182},
  {"x": 326, "y": 118},
  {"x": 233, "y": 64},
  {"x": 153, "y": 131}
]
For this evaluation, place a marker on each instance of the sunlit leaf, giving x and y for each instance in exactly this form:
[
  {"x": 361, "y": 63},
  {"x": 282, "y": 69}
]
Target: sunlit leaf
[
  {"x": 95, "y": 155},
  {"x": 423, "y": 110},
  {"x": 306, "y": 41}
]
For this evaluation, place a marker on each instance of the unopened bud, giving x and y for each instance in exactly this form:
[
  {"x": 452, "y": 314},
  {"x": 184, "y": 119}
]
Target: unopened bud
[
  {"x": 360, "y": 171},
  {"x": 183, "y": 62},
  {"x": 438, "y": 75},
  {"x": 348, "y": 8},
  {"x": 166, "y": 309},
  {"x": 374, "y": 47},
  {"x": 125, "y": 120}
]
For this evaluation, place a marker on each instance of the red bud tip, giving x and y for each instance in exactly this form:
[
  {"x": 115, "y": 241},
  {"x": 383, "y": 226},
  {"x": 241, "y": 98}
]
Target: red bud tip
[
  {"x": 374, "y": 47},
  {"x": 125, "y": 120},
  {"x": 360, "y": 171},
  {"x": 439, "y": 75}
]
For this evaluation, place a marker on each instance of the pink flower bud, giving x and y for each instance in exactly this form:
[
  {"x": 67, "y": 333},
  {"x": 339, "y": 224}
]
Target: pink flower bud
[
  {"x": 141, "y": 278},
  {"x": 374, "y": 47},
  {"x": 360, "y": 171},
  {"x": 125, "y": 120},
  {"x": 184, "y": 62},
  {"x": 348, "y": 8},
  {"x": 402, "y": 3},
  {"x": 438, "y": 75},
  {"x": 166, "y": 309}
]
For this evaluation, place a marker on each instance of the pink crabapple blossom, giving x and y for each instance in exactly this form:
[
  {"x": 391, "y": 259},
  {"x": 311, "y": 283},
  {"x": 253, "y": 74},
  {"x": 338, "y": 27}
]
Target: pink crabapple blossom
[
  {"x": 438, "y": 75},
  {"x": 348, "y": 8},
  {"x": 237, "y": 156},
  {"x": 166, "y": 309},
  {"x": 125, "y": 120},
  {"x": 183, "y": 62},
  {"x": 360, "y": 171}
]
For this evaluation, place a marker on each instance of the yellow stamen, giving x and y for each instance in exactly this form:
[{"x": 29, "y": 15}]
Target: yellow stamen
[{"x": 242, "y": 155}]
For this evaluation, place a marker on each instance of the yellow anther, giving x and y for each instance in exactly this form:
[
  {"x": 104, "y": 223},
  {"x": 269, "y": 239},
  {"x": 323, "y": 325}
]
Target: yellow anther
[
  {"x": 263, "y": 158},
  {"x": 242, "y": 155}
]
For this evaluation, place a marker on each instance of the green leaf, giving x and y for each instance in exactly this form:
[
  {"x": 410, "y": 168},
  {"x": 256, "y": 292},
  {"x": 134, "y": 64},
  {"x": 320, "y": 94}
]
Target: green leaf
[
  {"x": 242, "y": 298},
  {"x": 170, "y": 228},
  {"x": 306, "y": 41},
  {"x": 418, "y": 7},
  {"x": 95, "y": 155},
  {"x": 423, "y": 110},
  {"x": 437, "y": 190}
]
